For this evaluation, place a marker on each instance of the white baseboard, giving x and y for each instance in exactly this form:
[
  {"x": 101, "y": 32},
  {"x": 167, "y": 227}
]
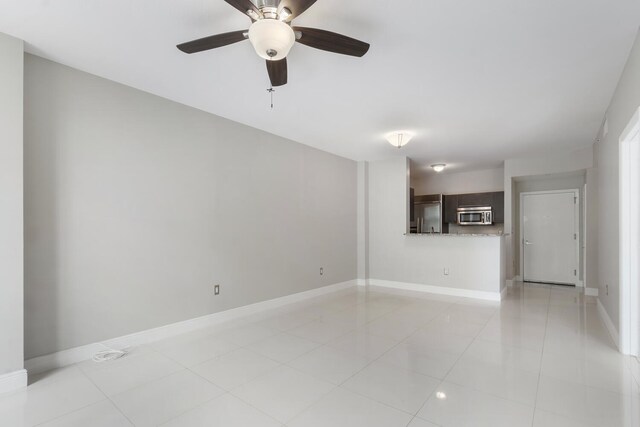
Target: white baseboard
[
  {"x": 613, "y": 331},
  {"x": 13, "y": 381},
  {"x": 440, "y": 290},
  {"x": 361, "y": 282},
  {"x": 503, "y": 293},
  {"x": 591, "y": 292},
  {"x": 86, "y": 352}
]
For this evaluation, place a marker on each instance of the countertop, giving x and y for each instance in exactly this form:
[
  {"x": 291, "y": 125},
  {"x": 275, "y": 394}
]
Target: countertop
[{"x": 455, "y": 235}]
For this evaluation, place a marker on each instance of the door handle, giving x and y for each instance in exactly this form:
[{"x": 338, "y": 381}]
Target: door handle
[{"x": 526, "y": 242}]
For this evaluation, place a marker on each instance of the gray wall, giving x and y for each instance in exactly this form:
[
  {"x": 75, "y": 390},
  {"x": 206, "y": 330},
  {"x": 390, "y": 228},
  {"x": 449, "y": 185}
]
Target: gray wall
[
  {"x": 136, "y": 206},
  {"x": 11, "y": 211},
  {"x": 624, "y": 103}
]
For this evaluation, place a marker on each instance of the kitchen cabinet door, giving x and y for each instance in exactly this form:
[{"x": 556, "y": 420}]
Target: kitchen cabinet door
[
  {"x": 475, "y": 199},
  {"x": 451, "y": 209},
  {"x": 412, "y": 215},
  {"x": 498, "y": 207}
]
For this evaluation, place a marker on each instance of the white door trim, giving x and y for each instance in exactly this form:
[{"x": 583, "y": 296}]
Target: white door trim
[
  {"x": 576, "y": 212},
  {"x": 583, "y": 247},
  {"x": 629, "y": 327}
]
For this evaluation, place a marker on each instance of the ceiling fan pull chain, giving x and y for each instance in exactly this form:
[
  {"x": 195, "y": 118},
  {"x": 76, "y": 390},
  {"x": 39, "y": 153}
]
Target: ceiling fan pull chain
[{"x": 271, "y": 90}]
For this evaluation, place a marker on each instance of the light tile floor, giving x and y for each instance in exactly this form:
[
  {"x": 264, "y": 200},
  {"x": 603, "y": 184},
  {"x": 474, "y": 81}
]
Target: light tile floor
[{"x": 540, "y": 358}]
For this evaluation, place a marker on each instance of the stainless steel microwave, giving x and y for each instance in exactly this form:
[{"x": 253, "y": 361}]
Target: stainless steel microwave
[{"x": 473, "y": 215}]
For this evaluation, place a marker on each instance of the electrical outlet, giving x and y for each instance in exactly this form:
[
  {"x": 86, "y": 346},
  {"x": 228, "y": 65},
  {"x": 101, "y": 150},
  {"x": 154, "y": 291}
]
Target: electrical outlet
[
  {"x": 446, "y": 271},
  {"x": 321, "y": 271},
  {"x": 216, "y": 290}
]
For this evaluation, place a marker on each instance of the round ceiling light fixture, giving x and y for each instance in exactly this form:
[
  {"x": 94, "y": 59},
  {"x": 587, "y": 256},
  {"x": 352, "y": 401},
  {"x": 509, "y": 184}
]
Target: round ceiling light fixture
[
  {"x": 272, "y": 39},
  {"x": 439, "y": 167},
  {"x": 400, "y": 138}
]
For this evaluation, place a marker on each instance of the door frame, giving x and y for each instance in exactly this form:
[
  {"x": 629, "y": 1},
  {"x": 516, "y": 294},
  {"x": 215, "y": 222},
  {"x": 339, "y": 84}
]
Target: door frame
[
  {"x": 629, "y": 186},
  {"x": 577, "y": 231}
]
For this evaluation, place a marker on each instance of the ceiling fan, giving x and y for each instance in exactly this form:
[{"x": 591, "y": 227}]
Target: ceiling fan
[{"x": 272, "y": 35}]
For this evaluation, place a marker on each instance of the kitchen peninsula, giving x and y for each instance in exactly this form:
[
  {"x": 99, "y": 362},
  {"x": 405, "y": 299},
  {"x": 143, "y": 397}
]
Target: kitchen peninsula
[{"x": 470, "y": 264}]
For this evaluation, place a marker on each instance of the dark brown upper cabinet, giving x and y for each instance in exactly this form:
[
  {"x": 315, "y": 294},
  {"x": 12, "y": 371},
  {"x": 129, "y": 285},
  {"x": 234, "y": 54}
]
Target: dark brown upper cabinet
[
  {"x": 475, "y": 199},
  {"x": 450, "y": 208},
  {"x": 498, "y": 207},
  {"x": 453, "y": 201}
]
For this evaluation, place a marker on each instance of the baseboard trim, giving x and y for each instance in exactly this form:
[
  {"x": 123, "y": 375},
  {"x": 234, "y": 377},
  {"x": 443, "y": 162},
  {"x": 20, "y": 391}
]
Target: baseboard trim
[
  {"x": 78, "y": 354},
  {"x": 591, "y": 292},
  {"x": 439, "y": 290},
  {"x": 361, "y": 282},
  {"x": 13, "y": 381},
  {"x": 611, "y": 328},
  {"x": 503, "y": 293}
]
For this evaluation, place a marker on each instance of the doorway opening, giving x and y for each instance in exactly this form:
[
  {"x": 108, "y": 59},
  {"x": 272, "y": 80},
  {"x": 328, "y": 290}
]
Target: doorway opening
[
  {"x": 550, "y": 237},
  {"x": 630, "y": 238}
]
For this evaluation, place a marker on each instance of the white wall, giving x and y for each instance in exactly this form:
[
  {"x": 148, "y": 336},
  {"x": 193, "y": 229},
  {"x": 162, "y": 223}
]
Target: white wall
[
  {"x": 474, "y": 263},
  {"x": 11, "y": 200},
  {"x": 548, "y": 183},
  {"x": 481, "y": 181},
  {"x": 136, "y": 206},
  {"x": 553, "y": 163},
  {"x": 624, "y": 103}
]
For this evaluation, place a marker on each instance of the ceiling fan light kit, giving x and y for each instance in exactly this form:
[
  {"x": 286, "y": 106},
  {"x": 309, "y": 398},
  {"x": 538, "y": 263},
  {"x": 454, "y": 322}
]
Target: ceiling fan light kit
[
  {"x": 272, "y": 35},
  {"x": 272, "y": 39}
]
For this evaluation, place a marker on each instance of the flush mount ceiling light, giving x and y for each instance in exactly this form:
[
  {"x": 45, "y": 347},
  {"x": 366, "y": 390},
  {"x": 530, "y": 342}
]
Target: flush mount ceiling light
[
  {"x": 438, "y": 167},
  {"x": 400, "y": 138}
]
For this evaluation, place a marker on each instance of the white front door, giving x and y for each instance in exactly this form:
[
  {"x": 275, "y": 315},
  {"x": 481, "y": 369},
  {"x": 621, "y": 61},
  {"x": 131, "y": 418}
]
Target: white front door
[{"x": 549, "y": 237}]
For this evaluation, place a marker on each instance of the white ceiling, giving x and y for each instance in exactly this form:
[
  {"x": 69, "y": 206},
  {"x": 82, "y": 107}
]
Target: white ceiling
[{"x": 479, "y": 81}]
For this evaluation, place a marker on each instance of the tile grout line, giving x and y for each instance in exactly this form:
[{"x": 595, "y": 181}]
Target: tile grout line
[
  {"x": 281, "y": 364},
  {"x": 371, "y": 361},
  {"x": 107, "y": 396},
  {"x": 442, "y": 381},
  {"x": 402, "y": 341},
  {"x": 546, "y": 325}
]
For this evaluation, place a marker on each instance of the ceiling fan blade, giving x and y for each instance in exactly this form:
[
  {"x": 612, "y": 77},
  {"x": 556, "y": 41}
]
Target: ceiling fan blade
[
  {"x": 277, "y": 72},
  {"x": 244, "y": 6},
  {"x": 297, "y": 7},
  {"x": 331, "y": 42},
  {"x": 213, "y": 42}
]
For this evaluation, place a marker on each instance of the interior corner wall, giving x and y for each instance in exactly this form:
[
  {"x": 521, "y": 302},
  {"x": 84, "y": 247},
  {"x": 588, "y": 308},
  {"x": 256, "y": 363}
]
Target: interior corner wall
[
  {"x": 363, "y": 222},
  {"x": 591, "y": 249},
  {"x": 136, "y": 206},
  {"x": 554, "y": 163},
  {"x": 625, "y": 102},
  {"x": 11, "y": 204}
]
